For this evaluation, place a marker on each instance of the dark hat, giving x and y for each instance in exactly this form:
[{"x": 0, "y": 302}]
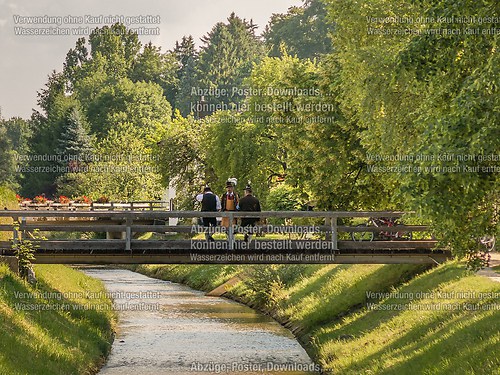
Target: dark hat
[
  {"x": 229, "y": 184},
  {"x": 248, "y": 188},
  {"x": 207, "y": 188}
]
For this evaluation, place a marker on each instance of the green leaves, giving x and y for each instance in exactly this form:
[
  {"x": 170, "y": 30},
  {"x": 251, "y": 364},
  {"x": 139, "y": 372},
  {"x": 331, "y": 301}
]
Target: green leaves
[{"x": 427, "y": 94}]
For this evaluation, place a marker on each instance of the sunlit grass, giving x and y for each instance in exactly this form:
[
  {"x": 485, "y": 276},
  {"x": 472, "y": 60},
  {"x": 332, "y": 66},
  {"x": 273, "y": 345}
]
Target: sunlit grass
[
  {"x": 197, "y": 276},
  {"x": 53, "y": 341}
]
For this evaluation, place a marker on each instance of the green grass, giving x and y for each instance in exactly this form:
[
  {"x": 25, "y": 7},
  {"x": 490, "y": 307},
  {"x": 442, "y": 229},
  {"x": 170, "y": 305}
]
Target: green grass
[
  {"x": 53, "y": 341},
  {"x": 460, "y": 338},
  {"x": 197, "y": 276},
  {"x": 327, "y": 307}
]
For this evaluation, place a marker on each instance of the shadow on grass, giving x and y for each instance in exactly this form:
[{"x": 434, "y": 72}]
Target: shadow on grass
[
  {"x": 332, "y": 308},
  {"x": 370, "y": 320},
  {"x": 314, "y": 283},
  {"x": 446, "y": 345}
]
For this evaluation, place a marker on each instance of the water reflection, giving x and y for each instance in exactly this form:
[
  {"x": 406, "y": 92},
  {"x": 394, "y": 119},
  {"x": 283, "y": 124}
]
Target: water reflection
[{"x": 177, "y": 330}]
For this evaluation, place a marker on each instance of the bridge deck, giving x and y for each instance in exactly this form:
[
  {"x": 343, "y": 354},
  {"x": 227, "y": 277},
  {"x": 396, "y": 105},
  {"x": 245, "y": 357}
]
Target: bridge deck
[{"x": 258, "y": 251}]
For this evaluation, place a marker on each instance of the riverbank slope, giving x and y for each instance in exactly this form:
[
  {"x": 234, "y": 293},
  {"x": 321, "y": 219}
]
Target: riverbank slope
[
  {"x": 63, "y": 325},
  {"x": 370, "y": 318}
]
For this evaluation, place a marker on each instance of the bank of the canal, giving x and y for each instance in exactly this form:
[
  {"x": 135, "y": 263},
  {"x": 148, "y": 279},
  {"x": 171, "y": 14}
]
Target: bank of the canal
[
  {"x": 62, "y": 325},
  {"x": 169, "y": 328},
  {"x": 352, "y": 319}
]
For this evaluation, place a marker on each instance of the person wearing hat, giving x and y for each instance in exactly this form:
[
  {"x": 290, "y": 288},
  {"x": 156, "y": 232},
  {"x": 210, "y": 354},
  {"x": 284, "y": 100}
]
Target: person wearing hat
[
  {"x": 210, "y": 202},
  {"x": 249, "y": 203},
  {"x": 229, "y": 201}
]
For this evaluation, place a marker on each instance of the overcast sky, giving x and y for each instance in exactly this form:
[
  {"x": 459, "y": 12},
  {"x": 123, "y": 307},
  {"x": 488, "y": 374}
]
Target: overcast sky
[{"x": 27, "y": 60}]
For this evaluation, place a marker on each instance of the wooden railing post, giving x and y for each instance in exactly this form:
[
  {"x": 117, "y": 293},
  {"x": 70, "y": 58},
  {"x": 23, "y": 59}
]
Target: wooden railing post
[
  {"x": 128, "y": 235},
  {"x": 22, "y": 227},
  {"x": 333, "y": 227},
  {"x": 15, "y": 234},
  {"x": 328, "y": 235},
  {"x": 230, "y": 234}
]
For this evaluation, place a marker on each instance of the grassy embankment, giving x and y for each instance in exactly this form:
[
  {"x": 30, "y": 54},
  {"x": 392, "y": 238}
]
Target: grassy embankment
[
  {"x": 74, "y": 332},
  {"x": 437, "y": 321},
  {"x": 72, "y": 336}
]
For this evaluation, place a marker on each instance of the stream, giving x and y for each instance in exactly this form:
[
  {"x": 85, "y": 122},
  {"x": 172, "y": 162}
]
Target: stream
[{"x": 169, "y": 328}]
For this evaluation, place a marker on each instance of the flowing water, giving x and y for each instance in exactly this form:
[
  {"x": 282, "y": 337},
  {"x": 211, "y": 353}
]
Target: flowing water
[{"x": 168, "y": 328}]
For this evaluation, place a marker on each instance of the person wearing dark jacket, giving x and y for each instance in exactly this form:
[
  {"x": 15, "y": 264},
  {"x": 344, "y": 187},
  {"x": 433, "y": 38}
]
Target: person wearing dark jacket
[
  {"x": 247, "y": 204},
  {"x": 210, "y": 202}
]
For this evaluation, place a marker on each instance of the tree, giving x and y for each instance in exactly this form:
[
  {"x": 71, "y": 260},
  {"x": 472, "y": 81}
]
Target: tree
[
  {"x": 226, "y": 58},
  {"x": 303, "y": 31},
  {"x": 118, "y": 45},
  {"x": 184, "y": 51},
  {"x": 305, "y": 139},
  {"x": 14, "y": 148},
  {"x": 188, "y": 80},
  {"x": 187, "y": 59},
  {"x": 235, "y": 148},
  {"x": 75, "y": 58},
  {"x": 425, "y": 95},
  {"x": 124, "y": 168},
  {"x": 46, "y": 129},
  {"x": 161, "y": 68},
  {"x": 183, "y": 158},
  {"x": 7, "y": 159},
  {"x": 75, "y": 141},
  {"x": 76, "y": 153},
  {"x": 139, "y": 103}
]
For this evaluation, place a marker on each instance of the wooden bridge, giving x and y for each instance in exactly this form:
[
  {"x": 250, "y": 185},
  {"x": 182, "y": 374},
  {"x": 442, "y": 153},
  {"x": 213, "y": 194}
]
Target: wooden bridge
[{"x": 321, "y": 237}]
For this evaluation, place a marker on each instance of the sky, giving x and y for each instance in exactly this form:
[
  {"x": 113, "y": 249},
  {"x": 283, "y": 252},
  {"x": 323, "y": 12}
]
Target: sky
[{"x": 27, "y": 60}]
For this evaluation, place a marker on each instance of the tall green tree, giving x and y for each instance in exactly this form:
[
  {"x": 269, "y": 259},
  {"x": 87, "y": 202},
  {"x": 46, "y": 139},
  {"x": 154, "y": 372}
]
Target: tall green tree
[
  {"x": 187, "y": 59},
  {"x": 119, "y": 45},
  {"x": 226, "y": 59},
  {"x": 14, "y": 149},
  {"x": 184, "y": 51},
  {"x": 75, "y": 140},
  {"x": 188, "y": 80},
  {"x": 302, "y": 31},
  {"x": 113, "y": 81},
  {"x": 151, "y": 65},
  {"x": 124, "y": 169},
  {"x": 76, "y": 151},
  {"x": 141, "y": 104},
  {"x": 47, "y": 126},
  {"x": 7, "y": 159},
  {"x": 182, "y": 154}
]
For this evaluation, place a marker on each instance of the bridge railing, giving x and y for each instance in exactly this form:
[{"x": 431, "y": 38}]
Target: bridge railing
[
  {"x": 109, "y": 206},
  {"x": 327, "y": 224}
]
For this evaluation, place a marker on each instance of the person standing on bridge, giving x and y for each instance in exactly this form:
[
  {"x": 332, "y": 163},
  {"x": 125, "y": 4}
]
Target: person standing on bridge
[
  {"x": 210, "y": 202},
  {"x": 229, "y": 201},
  {"x": 248, "y": 204}
]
